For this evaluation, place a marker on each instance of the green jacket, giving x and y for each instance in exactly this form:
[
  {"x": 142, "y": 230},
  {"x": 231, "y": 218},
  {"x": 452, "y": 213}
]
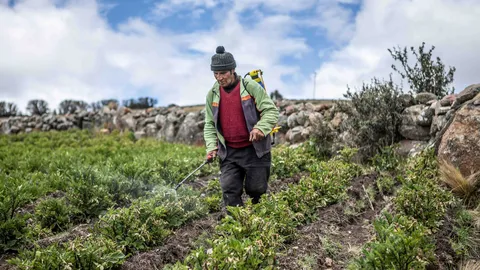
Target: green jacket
[{"x": 260, "y": 112}]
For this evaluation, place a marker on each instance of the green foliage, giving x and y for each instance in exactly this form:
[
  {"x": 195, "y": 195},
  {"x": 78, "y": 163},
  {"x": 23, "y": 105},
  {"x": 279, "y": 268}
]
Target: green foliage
[
  {"x": 213, "y": 195},
  {"x": 387, "y": 160},
  {"x": 95, "y": 172},
  {"x": 401, "y": 243},
  {"x": 287, "y": 162},
  {"x": 69, "y": 106},
  {"x": 140, "y": 103},
  {"x": 92, "y": 253},
  {"x": 275, "y": 95},
  {"x": 87, "y": 194},
  {"x": 420, "y": 196},
  {"x": 322, "y": 139},
  {"x": 37, "y": 107},
  {"x": 466, "y": 238},
  {"x": 54, "y": 214},
  {"x": 12, "y": 232},
  {"x": 249, "y": 237},
  {"x": 8, "y": 109},
  {"x": 147, "y": 222},
  {"x": 374, "y": 115},
  {"x": 426, "y": 75}
]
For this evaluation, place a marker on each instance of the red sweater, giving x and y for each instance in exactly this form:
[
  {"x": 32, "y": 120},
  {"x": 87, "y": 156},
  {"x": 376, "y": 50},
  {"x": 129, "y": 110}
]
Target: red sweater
[{"x": 232, "y": 119}]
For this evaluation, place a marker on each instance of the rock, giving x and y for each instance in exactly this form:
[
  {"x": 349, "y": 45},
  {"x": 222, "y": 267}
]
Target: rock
[
  {"x": 140, "y": 134},
  {"x": 315, "y": 118},
  {"x": 309, "y": 107},
  {"x": 296, "y": 134},
  {"x": 338, "y": 119},
  {"x": 301, "y": 118},
  {"x": 447, "y": 100},
  {"x": 406, "y": 100},
  {"x": 442, "y": 110},
  {"x": 466, "y": 95},
  {"x": 460, "y": 144},
  {"x": 289, "y": 109},
  {"x": 104, "y": 131},
  {"x": 189, "y": 130},
  {"x": 424, "y": 97},
  {"x": 437, "y": 124},
  {"x": 328, "y": 262},
  {"x": 409, "y": 127},
  {"x": 151, "y": 130},
  {"x": 425, "y": 117},
  {"x": 292, "y": 120},
  {"x": 410, "y": 147},
  {"x": 160, "y": 120},
  {"x": 283, "y": 121},
  {"x": 322, "y": 107}
]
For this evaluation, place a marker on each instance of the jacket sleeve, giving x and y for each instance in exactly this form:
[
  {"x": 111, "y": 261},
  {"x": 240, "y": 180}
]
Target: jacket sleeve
[
  {"x": 209, "y": 131},
  {"x": 266, "y": 107}
]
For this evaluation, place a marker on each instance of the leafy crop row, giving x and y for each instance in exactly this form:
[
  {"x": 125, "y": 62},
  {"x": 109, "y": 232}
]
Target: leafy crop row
[
  {"x": 88, "y": 173},
  {"x": 250, "y": 236}
]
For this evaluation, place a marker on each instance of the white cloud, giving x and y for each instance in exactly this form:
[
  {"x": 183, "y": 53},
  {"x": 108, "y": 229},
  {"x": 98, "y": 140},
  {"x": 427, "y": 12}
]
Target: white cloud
[
  {"x": 449, "y": 25},
  {"x": 168, "y": 8},
  {"x": 71, "y": 52}
]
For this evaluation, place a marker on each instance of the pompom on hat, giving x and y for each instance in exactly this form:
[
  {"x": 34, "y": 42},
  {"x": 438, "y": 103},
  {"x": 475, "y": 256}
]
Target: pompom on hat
[{"x": 222, "y": 60}]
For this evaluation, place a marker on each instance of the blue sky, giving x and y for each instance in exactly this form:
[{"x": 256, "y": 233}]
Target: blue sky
[{"x": 92, "y": 50}]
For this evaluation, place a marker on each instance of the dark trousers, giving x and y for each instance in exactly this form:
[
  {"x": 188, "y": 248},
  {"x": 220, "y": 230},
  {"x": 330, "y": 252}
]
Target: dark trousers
[{"x": 242, "y": 168}]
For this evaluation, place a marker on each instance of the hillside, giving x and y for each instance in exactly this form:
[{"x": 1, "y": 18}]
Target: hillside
[{"x": 78, "y": 199}]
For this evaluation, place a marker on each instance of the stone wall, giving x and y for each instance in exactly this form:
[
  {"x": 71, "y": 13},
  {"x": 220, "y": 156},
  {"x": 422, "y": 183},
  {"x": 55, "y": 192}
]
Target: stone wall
[{"x": 422, "y": 121}]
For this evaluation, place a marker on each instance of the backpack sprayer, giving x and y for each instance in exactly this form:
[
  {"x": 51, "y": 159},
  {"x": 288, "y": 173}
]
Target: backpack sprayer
[{"x": 256, "y": 75}]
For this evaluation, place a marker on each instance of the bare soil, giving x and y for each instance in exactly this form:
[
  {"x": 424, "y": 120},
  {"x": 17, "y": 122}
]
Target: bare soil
[{"x": 176, "y": 247}]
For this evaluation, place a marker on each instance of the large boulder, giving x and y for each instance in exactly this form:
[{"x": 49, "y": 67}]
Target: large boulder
[{"x": 460, "y": 144}]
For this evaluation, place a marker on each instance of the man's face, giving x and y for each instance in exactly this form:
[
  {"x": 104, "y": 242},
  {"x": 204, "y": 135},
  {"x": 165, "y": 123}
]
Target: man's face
[{"x": 225, "y": 77}]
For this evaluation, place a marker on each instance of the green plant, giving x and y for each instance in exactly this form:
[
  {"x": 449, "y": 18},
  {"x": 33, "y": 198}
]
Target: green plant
[
  {"x": 401, "y": 243},
  {"x": 322, "y": 138},
  {"x": 425, "y": 75},
  {"x": 466, "y": 239},
  {"x": 54, "y": 214},
  {"x": 374, "y": 115}
]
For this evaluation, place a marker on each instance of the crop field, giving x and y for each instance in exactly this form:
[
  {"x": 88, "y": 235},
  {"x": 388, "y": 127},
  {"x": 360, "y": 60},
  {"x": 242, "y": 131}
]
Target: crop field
[{"x": 81, "y": 200}]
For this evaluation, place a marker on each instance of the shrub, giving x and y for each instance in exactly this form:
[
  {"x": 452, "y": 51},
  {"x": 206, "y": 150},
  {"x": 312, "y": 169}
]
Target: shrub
[
  {"x": 374, "y": 115},
  {"x": 425, "y": 75},
  {"x": 322, "y": 139}
]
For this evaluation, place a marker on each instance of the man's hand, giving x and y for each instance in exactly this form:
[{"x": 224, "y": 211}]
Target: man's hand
[
  {"x": 256, "y": 135},
  {"x": 211, "y": 155}
]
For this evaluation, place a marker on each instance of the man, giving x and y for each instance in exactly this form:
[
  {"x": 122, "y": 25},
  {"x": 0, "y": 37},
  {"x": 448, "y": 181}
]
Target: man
[{"x": 238, "y": 120}]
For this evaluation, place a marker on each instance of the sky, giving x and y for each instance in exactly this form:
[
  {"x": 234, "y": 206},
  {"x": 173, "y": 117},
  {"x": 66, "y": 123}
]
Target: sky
[{"x": 92, "y": 50}]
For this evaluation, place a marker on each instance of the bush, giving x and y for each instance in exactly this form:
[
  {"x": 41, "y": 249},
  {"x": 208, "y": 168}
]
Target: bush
[
  {"x": 322, "y": 139},
  {"x": 425, "y": 75},
  {"x": 374, "y": 116}
]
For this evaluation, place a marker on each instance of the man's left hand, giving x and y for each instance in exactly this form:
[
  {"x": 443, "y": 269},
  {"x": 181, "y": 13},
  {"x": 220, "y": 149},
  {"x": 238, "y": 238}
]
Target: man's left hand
[{"x": 256, "y": 135}]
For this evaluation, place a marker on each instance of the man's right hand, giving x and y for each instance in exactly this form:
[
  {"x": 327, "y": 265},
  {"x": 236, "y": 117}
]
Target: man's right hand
[{"x": 211, "y": 155}]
